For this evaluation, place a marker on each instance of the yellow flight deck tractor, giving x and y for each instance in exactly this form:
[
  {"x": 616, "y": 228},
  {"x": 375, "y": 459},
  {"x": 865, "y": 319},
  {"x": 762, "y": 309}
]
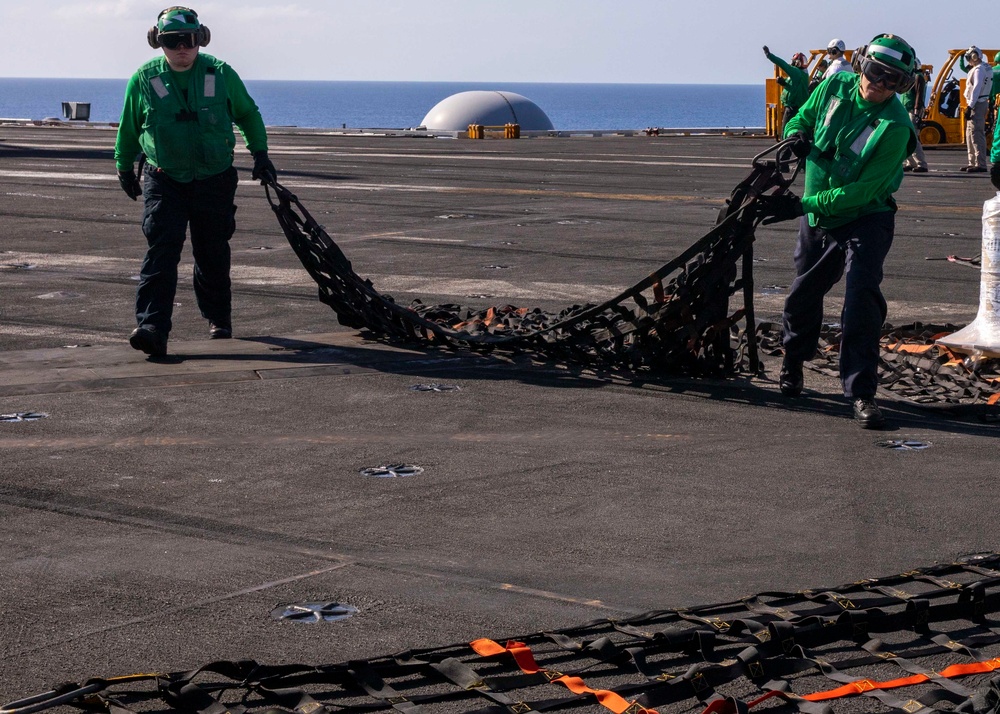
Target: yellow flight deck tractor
[{"x": 943, "y": 121}]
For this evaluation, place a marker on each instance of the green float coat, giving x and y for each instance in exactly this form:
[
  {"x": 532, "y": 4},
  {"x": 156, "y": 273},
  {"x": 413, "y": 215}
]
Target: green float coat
[{"x": 183, "y": 121}]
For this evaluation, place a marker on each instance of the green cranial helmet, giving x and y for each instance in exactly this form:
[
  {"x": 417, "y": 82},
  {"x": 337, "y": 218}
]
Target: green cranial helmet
[
  {"x": 177, "y": 23},
  {"x": 178, "y": 19},
  {"x": 893, "y": 51},
  {"x": 891, "y": 54}
]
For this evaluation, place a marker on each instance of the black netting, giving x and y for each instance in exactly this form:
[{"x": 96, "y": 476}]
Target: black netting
[
  {"x": 927, "y": 640},
  {"x": 677, "y": 320}
]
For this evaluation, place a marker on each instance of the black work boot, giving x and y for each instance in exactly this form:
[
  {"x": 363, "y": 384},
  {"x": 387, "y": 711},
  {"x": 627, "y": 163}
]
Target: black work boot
[
  {"x": 867, "y": 414},
  {"x": 790, "y": 379},
  {"x": 148, "y": 339},
  {"x": 219, "y": 331}
]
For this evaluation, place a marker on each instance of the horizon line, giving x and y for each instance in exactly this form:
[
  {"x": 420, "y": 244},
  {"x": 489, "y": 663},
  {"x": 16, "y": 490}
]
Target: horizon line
[{"x": 436, "y": 81}]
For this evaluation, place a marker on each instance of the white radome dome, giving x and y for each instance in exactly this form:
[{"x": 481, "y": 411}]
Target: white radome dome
[{"x": 489, "y": 108}]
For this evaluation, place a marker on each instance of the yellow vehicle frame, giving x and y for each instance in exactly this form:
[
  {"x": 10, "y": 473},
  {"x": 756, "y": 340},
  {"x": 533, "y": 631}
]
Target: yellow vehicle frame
[
  {"x": 773, "y": 108},
  {"x": 938, "y": 127}
]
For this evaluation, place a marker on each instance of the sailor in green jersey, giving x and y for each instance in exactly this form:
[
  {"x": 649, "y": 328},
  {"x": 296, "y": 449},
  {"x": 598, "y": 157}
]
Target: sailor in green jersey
[
  {"x": 178, "y": 116},
  {"x": 995, "y": 103},
  {"x": 795, "y": 87},
  {"x": 854, "y": 135},
  {"x": 995, "y": 91},
  {"x": 995, "y": 156}
]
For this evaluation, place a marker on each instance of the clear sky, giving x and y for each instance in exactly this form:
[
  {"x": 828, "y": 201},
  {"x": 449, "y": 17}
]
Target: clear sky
[{"x": 646, "y": 41}]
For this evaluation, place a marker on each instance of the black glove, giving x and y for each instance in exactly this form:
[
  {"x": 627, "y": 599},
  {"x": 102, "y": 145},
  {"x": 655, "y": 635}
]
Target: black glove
[
  {"x": 766, "y": 51},
  {"x": 783, "y": 207},
  {"x": 801, "y": 146},
  {"x": 130, "y": 184},
  {"x": 263, "y": 169},
  {"x": 995, "y": 175},
  {"x": 967, "y": 116}
]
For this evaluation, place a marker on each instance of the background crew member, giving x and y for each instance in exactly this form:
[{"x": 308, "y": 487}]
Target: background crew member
[
  {"x": 915, "y": 103},
  {"x": 795, "y": 87},
  {"x": 838, "y": 61},
  {"x": 179, "y": 112},
  {"x": 978, "y": 89}
]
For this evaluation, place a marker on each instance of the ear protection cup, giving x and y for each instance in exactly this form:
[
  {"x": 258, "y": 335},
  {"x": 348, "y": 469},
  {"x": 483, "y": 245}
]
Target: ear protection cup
[
  {"x": 152, "y": 37},
  {"x": 204, "y": 36},
  {"x": 857, "y": 57}
]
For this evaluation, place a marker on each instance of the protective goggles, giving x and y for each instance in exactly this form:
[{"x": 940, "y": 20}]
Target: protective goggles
[
  {"x": 175, "y": 39},
  {"x": 891, "y": 79}
]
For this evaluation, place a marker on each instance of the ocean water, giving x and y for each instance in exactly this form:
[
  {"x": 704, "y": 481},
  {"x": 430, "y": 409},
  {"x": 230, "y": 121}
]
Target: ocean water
[{"x": 401, "y": 105}]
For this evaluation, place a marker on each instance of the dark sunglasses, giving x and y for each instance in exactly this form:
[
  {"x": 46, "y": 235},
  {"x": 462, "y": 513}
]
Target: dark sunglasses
[
  {"x": 176, "y": 39},
  {"x": 888, "y": 78}
]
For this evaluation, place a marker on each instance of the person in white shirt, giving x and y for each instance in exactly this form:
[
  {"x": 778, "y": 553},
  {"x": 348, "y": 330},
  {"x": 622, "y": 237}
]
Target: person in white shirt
[
  {"x": 838, "y": 63},
  {"x": 978, "y": 89}
]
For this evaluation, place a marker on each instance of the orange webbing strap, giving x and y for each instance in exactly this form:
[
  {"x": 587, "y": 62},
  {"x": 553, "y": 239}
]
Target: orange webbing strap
[
  {"x": 526, "y": 661},
  {"x": 867, "y": 685},
  {"x": 728, "y": 706}
]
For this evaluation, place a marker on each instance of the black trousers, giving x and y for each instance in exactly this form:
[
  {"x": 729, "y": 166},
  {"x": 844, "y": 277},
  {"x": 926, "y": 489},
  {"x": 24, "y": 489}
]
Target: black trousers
[
  {"x": 821, "y": 259},
  {"x": 786, "y": 116},
  {"x": 206, "y": 205}
]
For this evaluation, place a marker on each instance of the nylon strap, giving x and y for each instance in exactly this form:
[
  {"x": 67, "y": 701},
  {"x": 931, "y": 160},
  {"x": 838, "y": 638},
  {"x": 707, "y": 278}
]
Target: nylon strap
[
  {"x": 861, "y": 686},
  {"x": 377, "y": 687},
  {"x": 526, "y": 662},
  {"x": 466, "y": 677}
]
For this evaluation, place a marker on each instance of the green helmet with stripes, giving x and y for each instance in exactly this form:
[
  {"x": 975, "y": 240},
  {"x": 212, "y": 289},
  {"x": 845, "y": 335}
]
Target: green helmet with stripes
[
  {"x": 893, "y": 51},
  {"x": 178, "y": 19},
  {"x": 177, "y": 22},
  {"x": 890, "y": 56}
]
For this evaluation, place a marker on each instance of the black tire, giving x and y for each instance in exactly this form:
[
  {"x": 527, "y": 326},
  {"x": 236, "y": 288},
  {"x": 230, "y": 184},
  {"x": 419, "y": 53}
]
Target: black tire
[{"x": 931, "y": 133}]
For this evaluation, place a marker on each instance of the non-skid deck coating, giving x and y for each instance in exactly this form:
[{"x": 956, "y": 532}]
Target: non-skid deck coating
[{"x": 162, "y": 510}]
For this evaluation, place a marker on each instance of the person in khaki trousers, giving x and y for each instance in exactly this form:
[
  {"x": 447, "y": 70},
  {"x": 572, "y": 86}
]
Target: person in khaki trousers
[{"x": 978, "y": 89}]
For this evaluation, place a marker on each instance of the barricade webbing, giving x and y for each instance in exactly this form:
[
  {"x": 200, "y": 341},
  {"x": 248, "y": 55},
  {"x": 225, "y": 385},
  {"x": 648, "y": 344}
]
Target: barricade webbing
[
  {"x": 677, "y": 320},
  {"x": 912, "y": 367},
  {"x": 775, "y": 650},
  {"x": 522, "y": 655},
  {"x": 866, "y": 685}
]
